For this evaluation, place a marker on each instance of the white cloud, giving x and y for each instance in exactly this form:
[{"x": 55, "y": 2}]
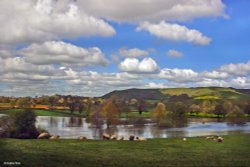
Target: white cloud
[
  {"x": 133, "y": 65},
  {"x": 174, "y": 32},
  {"x": 40, "y": 20},
  {"x": 5, "y": 53},
  {"x": 215, "y": 74},
  {"x": 179, "y": 75},
  {"x": 134, "y": 52},
  {"x": 57, "y": 52},
  {"x": 239, "y": 82},
  {"x": 18, "y": 75},
  {"x": 153, "y": 10},
  {"x": 19, "y": 65},
  {"x": 153, "y": 85},
  {"x": 240, "y": 69},
  {"x": 174, "y": 53}
]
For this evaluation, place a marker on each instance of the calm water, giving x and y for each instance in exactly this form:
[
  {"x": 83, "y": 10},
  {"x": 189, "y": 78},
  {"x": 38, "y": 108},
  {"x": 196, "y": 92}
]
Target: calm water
[{"x": 73, "y": 127}]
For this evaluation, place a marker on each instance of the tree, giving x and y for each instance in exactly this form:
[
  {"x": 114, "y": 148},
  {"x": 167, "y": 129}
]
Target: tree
[
  {"x": 195, "y": 108},
  {"x": 61, "y": 101},
  {"x": 227, "y": 105},
  {"x": 23, "y": 103},
  {"x": 141, "y": 106},
  {"x": 236, "y": 115},
  {"x": 220, "y": 110},
  {"x": 122, "y": 106},
  {"x": 20, "y": 125},
  {"x": 178, "y": 114},
  {"x": 52, "y": 101},
  {"x": 208, "y": 106},
  {"x": 13, "y": 103},
  {"x": 247, "y": 110},
  {"x": 158, "y": 112},
  {"x": 89, "y": 106},
  {"x": 178, "y": 109},
  {"x": 160, "y": 115},
  {"x": 72, "y": 107},
  {"x": 110, "y": 112},
  {"x": 80, "y": 107}
]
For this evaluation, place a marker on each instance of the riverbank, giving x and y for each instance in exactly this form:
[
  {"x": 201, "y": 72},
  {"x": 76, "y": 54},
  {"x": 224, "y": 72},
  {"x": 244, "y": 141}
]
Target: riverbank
[
  {"x": 174, "y": 152},
  {"x": 132, "y": 114},
  {"x": 43, "y": 112}
]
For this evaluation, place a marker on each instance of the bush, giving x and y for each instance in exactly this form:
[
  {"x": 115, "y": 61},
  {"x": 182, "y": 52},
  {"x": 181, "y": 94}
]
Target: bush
[
  {"x": 6, "y": 126},
  {"x": 19, "y": 125}
]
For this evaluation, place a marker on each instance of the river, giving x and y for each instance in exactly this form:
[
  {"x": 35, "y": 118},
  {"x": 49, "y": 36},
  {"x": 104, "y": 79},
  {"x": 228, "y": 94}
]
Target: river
[{"x": 73, "y": 127}]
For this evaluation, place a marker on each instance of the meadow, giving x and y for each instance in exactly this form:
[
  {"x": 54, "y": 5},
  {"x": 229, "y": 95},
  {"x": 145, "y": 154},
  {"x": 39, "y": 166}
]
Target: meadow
[{"x": 172, "y": 152}]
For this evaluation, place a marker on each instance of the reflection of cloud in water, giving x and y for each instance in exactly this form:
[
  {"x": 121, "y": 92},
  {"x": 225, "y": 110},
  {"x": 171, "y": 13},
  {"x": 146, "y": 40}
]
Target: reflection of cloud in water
[{"x": 68, "y": 127}]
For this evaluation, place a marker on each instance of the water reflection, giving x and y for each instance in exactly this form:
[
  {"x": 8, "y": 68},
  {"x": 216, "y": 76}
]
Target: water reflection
[
  {"x": 236, "y": 121},
  {"x": 73, "y": 127}
]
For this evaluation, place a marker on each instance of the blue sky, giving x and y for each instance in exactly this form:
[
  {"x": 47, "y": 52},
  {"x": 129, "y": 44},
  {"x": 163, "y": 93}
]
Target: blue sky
[{"x": 91, "y": 48}]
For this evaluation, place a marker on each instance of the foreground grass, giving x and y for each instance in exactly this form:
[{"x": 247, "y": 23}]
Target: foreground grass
[{"x": 234, "y": 151}]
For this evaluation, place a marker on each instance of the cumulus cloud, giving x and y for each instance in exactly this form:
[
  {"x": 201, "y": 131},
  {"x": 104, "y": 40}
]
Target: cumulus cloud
[
  {"x": 174, "y": 32},
  {"x": 5, "y": 53},
  {"x": 61, "y": 53},
  {"x": 215, "y": 75},
  {"x": 134, "y": 52},
  {"x": 133, "y": 65},
  {"x": 240, "y": 69},
  {"x": 40, "y": 20},
  {"x": 238, "y": 82},
  {"x": 174, "y": 53},
  {"x": 18, "y": 75},
  {"x": 153, "y": 10},
  {"x": 179, "y": 75},
  {"x": 19, "y": 65}
]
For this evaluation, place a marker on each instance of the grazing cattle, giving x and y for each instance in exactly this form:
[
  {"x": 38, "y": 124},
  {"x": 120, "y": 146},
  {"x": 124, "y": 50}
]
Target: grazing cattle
[
  {"x": 184, "y": 139},
  {"x": 131, "y": 137},
  {"x": 82, "y": 138},
  {"x": 113, "y": 137},
  {"x": 44, "y": 135},
  {"x": 122, "y": 138},
  {"x": 54, "y": 137},
  {"x": 140, "y": 139},
  {"x": 105, "y": 136},
  {"x": 220, "y": 139}
]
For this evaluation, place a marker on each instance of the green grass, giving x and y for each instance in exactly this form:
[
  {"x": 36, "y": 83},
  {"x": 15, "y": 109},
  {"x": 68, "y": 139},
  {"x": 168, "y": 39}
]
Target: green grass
[
  {"x": 135, "y": 114},
  {"x": 173, "y": 152},
  {"x": 207, "y": 98},
  {"x": 40, "y": 112},
  {"x": 204, "y": 115},
  {"x": 206, "y": 93}
]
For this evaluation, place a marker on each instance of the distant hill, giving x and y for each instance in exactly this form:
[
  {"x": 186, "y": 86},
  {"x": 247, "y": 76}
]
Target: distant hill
[
  {"x": 150, "y": 94},
  {"x": 198, "y": 93}
]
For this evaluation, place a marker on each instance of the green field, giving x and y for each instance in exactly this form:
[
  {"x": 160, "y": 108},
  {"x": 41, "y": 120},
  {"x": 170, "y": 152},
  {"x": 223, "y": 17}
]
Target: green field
[
  {"x": 172, "y": 152},
  {"x": 207, "y": 93}
]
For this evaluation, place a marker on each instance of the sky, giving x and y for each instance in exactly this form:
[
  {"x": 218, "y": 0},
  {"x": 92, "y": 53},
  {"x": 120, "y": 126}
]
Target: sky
[{"x": 92, "y": 47}]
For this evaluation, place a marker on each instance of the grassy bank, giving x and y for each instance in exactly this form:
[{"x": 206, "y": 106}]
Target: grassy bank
[
  {"x": 234, "y": 151},
  {"x": 42, "y": 112},
  {"x": 133, "y": 114}
]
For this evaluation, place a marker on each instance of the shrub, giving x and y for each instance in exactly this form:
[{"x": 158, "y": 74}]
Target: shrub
[{"x": 19, "y": 125}]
